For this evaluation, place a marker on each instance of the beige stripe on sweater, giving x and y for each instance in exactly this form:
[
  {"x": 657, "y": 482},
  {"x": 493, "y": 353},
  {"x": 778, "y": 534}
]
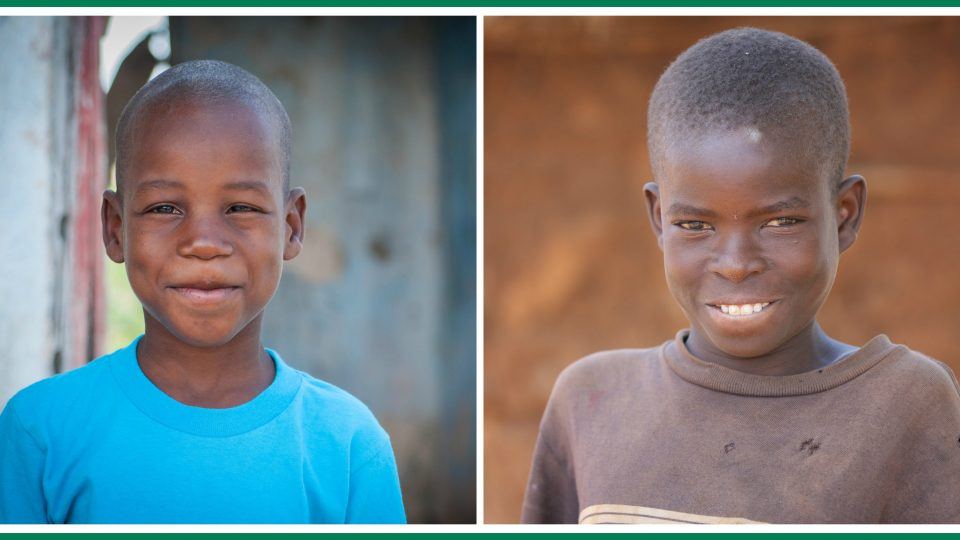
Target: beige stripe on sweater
[{"x": 626, "y": 514}]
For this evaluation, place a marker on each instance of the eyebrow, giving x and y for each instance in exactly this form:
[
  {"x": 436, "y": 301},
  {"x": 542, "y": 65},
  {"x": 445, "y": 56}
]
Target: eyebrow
[
  {"x": 248, "y": 185},
  {"x": 241, "y": 185},
  {"x": 689, "y": 210},
  {"x": 158, "y": 184},
  {"x": 793, "y": 203}
]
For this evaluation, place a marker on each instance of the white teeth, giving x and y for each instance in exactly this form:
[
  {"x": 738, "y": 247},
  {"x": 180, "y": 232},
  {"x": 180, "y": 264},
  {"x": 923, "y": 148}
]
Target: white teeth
[{"x": 745, "y": 309}]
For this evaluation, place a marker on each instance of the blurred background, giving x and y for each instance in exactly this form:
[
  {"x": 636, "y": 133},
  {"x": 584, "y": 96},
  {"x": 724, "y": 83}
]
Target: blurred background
[
  {"x": 571, "y": 266},
  {"x": 381, "y": 302}
]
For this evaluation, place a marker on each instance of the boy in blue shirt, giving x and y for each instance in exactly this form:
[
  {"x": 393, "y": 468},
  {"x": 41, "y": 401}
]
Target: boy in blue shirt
[{"x": 195, "y": 421}]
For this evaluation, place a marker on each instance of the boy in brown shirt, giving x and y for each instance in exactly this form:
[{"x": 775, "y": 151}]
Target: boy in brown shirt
[{"x": 754, "y": 413}]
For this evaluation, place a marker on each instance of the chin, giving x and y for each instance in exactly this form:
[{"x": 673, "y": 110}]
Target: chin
[
  {"x": 744, "y": 349},
  {"x": 744, "y": 346},
  {"x": 204, "y": 334}
]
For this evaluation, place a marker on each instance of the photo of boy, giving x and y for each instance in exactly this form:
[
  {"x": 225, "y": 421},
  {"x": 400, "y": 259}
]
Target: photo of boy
[
  {"x": 754, "y": 413},
  {"x": 203, "y": 218},
  {"x": 293, "y": 230},
  {"x": 749, "y": 139}
]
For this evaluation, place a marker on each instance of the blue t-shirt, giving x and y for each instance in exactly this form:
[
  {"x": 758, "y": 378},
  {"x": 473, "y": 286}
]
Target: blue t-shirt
[{"x": 103, "y": 444}]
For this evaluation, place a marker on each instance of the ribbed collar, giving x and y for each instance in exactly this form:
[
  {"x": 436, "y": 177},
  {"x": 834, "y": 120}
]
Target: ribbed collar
[
  {"x": 722, "y": 379},
  {"x": 202, "y": 421}
]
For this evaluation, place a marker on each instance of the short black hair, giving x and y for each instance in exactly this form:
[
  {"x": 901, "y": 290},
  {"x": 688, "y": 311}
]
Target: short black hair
[
  {"x": 204, "y": 81},
  {"x": 752, "y": 78}
]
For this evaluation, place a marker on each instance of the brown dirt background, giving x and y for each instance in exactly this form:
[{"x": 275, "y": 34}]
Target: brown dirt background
[{"x": 570, "y": 264}]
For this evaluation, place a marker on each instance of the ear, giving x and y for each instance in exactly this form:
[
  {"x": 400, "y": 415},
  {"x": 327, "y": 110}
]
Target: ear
[
  {"x": 851, "y": 200},
  {"x": 295, "y": 216},
  {"x": 652, "y": 193},
  {"x": 111, "y": 221}
]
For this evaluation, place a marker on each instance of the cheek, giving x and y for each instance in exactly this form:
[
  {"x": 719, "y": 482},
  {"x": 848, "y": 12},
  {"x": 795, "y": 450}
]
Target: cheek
[
  {"x": 265, "y": 254},
  {"x": 270, "y": 269},
  {"x": 810, "y": 266},
  {"x": 140, "y": 253},
  {"x": 683, "y": 266}
]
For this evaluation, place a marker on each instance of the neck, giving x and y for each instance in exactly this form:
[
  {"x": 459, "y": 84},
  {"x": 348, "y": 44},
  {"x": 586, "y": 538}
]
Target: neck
[
  {"x": 809, "y": 350},
  {"x": 215, "y": 377}
]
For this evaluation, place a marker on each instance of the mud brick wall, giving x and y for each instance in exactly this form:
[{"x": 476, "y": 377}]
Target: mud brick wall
[{"x": 570, "y": 264}]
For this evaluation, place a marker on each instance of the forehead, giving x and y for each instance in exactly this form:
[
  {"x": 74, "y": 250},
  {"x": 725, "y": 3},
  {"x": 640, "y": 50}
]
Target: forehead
[
  {"x": 190, "y": 140},
  {"x": 740, "y": 168}
]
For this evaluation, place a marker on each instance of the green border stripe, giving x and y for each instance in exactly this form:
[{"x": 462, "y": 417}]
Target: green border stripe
[{"x": 473, "y": 535}]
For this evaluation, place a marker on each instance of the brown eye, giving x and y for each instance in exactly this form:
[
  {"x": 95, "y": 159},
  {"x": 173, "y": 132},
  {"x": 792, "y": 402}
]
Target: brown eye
[
  {"x": 241, "y": 208},
  {"x": 163, "y": 209},
  {"x": 782, "y": 222},
  {"x": 694, "y": 225}
]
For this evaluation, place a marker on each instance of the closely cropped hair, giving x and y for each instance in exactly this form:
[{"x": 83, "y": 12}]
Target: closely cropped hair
[
  {"x": 202, "y": 81},
  {"x": 753, "y": 79}
]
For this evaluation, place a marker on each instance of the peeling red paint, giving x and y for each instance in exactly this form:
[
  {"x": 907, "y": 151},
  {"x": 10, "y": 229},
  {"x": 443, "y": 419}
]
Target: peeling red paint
[{"x": 87, "y": 311}]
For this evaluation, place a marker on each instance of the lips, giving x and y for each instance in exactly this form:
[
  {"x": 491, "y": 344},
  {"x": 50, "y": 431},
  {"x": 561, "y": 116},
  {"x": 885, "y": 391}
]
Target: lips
[
  {"x": 204, "y": 292},
  {"x": 740, "y": 308}
]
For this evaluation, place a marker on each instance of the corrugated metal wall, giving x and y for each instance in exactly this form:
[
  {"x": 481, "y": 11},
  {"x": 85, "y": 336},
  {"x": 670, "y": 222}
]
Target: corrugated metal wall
[{"x": 381, "y": 302}]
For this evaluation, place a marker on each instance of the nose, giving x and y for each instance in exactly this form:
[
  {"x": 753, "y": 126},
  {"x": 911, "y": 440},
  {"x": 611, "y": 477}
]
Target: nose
[
  {"x": 204, "y": 237},
  {"x": 737, "y": 257}
]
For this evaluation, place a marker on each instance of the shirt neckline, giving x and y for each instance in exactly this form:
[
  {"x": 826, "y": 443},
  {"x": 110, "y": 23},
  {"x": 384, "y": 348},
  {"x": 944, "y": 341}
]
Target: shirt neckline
[
  {"x": 723, "y": 379},
  {"x": 202, "y": 421}
]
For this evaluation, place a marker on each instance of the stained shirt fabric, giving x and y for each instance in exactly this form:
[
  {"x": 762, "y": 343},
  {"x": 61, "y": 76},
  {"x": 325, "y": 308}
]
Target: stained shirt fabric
[
  {"x": 103, "y": 444},
  {"x": 660, "y": 436}
]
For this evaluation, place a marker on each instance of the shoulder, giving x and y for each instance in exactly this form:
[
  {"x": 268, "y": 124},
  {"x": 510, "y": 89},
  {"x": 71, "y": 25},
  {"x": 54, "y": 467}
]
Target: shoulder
[
  {"x": 50, "y": 398},
  {"x": 606, "y": 379},
  {"x": 321, "y": 397},
  {"x": 921, "y": 376},
  {"x": 342, "y": 414},
  {"x": 608, "y": 368},
  {"x": 587, "y": 391}
]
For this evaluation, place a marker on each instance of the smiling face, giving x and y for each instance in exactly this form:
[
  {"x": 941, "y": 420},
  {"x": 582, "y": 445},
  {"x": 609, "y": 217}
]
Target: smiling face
[
  {"x": 204, "y": 223},
  {"x": 751, "y": 237}
]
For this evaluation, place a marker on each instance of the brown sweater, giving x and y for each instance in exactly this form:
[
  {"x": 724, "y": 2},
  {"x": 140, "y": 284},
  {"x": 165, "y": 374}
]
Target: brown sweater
[{"x": 658, "y": 436}]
